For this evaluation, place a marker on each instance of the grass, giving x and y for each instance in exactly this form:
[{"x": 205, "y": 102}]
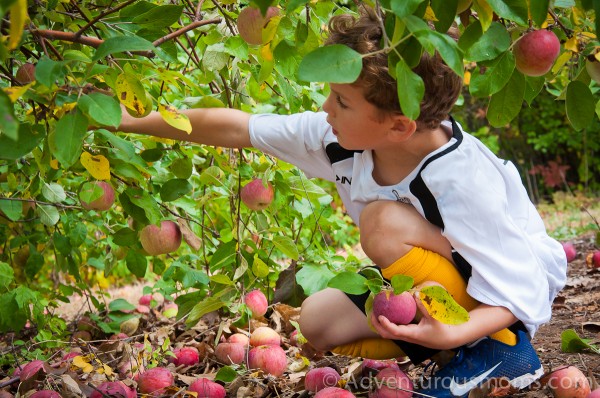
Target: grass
[{"x": 571, "y": 215}]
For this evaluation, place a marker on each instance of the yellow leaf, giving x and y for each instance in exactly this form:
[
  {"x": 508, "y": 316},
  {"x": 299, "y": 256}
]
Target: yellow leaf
[
  {"x": 131, "y": 93},
  {"x": 430, "y": 14},
  {"x": 82, "y": 363},
  {"x": 467, "y": 78},
  {"x": 175, "y": 118},
  {"x": 571, "y": 44},
  {"x": 18, "y": 19},
  {"x": 266, "y": 53},
  {"x": 54, "y": 164},
  {"x": 484, "y": 12},
  {"x": 97, "y": 165},
  {"x": 561, "y": 61},
  {"x": 16, "y": 92},
  {"x": 441, "y": 305}
]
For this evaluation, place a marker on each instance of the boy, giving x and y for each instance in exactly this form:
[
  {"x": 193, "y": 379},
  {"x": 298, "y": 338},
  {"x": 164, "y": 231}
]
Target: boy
[{"x": 430, "y": 201}]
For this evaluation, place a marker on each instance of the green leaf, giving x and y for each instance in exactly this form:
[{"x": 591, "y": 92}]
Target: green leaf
[
  {"x": 411, "y": 90},
  {"x": 136, "y": 263},
  {"x": 293, "y": 4},
  {"x": 571, "y": 342},
  {"x": 213, "y": 175},
  {"x": 126, "y": 237},
  {"x": 207, "y": 305},
  {"x": 47, "y": 71},
  {"x": 349, "y": 282},
  {"x": 403, "y": 8},
  {"x": 143, "y": 200},
  {"x": 287, "y": 246},
  {"x": 48, "y": 215},
  {"x": 445, "y": 12},
  {"x": 28, "y": 138},
  {"x": 7, "y": 275},
  {"x": 580, "y": 105},
  {"x": 160, "y": 16},
  {"x": 121, "y": 43},
  {"x": 223, "y": 256},
  {"x": 497, "y": 74},
  {"x": 34, "y": 264},
  {"x": 514, "y": 10},
  {"x": 306, "y": 188},
  {"x": 175, "y": 189},
  {"x": 313, "y": 278},
  {"x": 67, "y": 138},
  {"x": 53, "y": 192},
  {"x": 13, "y": 209},
  {"x": 260, "y": 269},
  {"x": 538, "y": 9},
  {"x": 120, "y": 305},
  {"x": 490, "y": 45},
  {"x": 533, "y": 87},
  {"x": 401, "y": 283},
  {"x": 226, "y": 374},
  {"x": 441, "y": 306},
  {"x": 9, "y": 125},
  {"x": 182, "y": 167},
  {"x": 101, "y": 108},
  {"x": 506, "y": 104},
  {"x": 332, "y": 64}
]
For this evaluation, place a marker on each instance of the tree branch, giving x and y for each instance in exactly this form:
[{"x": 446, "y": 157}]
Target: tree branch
[{"x": 181, "y": 31}]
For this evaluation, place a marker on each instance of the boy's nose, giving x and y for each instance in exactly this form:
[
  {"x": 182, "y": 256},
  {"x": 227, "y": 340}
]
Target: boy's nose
[{"x": 326, "y": 107}]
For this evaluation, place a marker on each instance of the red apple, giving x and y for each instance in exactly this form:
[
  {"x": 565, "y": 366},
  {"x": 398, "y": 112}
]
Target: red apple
[
  {"x": 535, "y": 52},
  {"x": 187, "y": 356},
  {"x": 206, "y": 388},
  {"x": 131, "y": 368},
  {"x": 251, "y": 22},
  {"x": 592, "y": 260},
  {"x": 334, "y": 392},
  {"x": 239, "y": 338},
  {"x": 398, "y": 308},
  {"x": 370, "y": 367},
  {"x": 256, "y": 195},
  {"x": 26, "y": 73},
  {"x": 146, "y": 299},
  {"x": 570, "y": 251},
  {"x": 161, "y": 240},
  {"x": 113, "y": 389},
  {"x": 392, "y": 383},
  {"x": 257, "y": 302},
  {"x": 297, "y": 339},
  {"x": 269, "y": 358},
  {"x": 569, "y": 382},
  {"x": 101, "y": 203},
  {"x": 155, "y": 381},
  {"x": 30, "y": 369},
  {"x": 595, "y": 393},
  {"x": 229, "y": 353},
  {"x": 264, "y": 335},
  {"x": 319, "y": 378},
  {"x": 45, "y": 394}
]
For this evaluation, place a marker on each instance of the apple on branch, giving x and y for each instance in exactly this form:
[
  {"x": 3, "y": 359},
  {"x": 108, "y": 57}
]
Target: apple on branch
[
  {"x": 256, "y": 195},
  {"x": 251, "y": 23},
  {"x": 536, "y": 51},
  {"x": 161, "y": 240},
  {"x": 100, "y": 203}
]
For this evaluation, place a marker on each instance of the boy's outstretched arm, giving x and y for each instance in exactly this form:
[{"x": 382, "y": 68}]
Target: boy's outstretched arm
[{"x": 210, "y": 126}]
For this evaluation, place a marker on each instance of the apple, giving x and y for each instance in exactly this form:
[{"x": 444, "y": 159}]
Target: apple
[
  {"x": 264, "y": 335},
  {"x": 155, "y": 381},
  {"x": 229, "y": 353},
  {"x": 570, "y": 251},
  {"x": 161, "y": 240},
  {"x": 206, "y": 388},
  {"x": 131, "y": 368},
  {"x": 113, "y": 389},
  {"x": 257, "y": 302},
  {"x": 142, "y": 309},
  {"x": 170, "y": 310},
  {"x": 31, "y": 368},
  {"x": 595, "y": 393},
  {"x": 592, "y": 260},
  {"x": 569, "y": 382},
  {"x": 251, "y": 22},
  {"x": 592, "y": 65},
  {"x": 398, "y": 308},
  {"x": 334, "y": 392},
  {"x": 392, "y": 383},
  {"x": 536, "y": 51},
  {"x": 319, "y": 378},
  {"x": 257, "y": 196},
  {"x": 130, "y": 326},
  {"x": 463, "y": 5},
  {"x": 239, "y": 338},
  {"x": 104, "y": 202},
  {"x": 45, "y": 394},
  {"x": 269, "y": 358},
  {"x": 297, "y": 339},
  {"x": 26, "y": 73},
  {"x": 187, "y": 356},
  {"x": 371, "y": 367}
]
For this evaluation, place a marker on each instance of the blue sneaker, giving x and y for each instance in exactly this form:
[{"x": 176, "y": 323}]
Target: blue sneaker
[{"x": 483, "y": 360}]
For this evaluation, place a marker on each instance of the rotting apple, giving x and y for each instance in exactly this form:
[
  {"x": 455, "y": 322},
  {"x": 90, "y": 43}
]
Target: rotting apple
[
  {"x": 269, "y": 358},
  {"x": 256, "y": 195},
  {"x": 264, "y": 335},
  {"x": 371, "y": 367},
  {"x": 101, "y": 203},
  {"x": 536, "y": 51},
  {"x": 161, "y": 240},
  {"x": 398, "y": 308},
  {"x": 317, "y": 379},
  {"x": 251, "y": 22},
  {"x": 257, "y": 303},
  {"x": 592, "y": 260}
]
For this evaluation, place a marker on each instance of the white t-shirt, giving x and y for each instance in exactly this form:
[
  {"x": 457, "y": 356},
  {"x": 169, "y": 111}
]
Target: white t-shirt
[{"x": 477, "y": 199}]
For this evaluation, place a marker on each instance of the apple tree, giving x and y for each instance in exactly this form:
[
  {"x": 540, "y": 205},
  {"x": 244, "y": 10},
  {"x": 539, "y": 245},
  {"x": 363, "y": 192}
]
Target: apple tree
[{"x": 77, "y": 196}]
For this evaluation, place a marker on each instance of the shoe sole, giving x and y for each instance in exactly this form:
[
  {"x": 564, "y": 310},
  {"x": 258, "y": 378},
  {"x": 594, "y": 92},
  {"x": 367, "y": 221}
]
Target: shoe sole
[{"x": 527, "y": 379}]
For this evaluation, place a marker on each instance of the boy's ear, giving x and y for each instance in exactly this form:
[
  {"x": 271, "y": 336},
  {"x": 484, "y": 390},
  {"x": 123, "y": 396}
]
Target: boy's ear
[{"x": 403, "y": 127}]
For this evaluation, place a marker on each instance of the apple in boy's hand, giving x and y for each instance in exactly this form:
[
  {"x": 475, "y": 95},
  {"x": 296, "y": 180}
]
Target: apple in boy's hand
[
  {"x": 397, "y": 308},
  {"x": 161, "y": 240},
  {"x": 536, "y": 51}
]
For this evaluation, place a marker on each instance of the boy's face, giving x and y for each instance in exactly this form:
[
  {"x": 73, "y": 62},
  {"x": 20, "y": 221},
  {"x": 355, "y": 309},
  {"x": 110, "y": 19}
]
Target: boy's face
[{"x": 356, "y": 122}]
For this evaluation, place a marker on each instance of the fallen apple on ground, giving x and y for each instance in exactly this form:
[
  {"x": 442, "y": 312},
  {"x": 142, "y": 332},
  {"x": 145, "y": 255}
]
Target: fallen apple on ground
[
  {"x": 317, "y": 379},
  {"x": 569, "y": 382},
  {"x": 257, "y": 303},
  {"x": 264, "y": 335},
  {"x": 154, "y": 381},
  {"x": 268, "y": 358}
]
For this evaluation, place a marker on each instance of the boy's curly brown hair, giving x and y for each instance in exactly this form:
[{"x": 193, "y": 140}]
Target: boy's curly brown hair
[{"x": 364, "y": 35}]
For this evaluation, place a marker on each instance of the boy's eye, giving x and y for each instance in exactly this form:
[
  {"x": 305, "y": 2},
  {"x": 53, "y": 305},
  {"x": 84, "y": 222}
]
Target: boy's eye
[{"x": 340, "y": 103}]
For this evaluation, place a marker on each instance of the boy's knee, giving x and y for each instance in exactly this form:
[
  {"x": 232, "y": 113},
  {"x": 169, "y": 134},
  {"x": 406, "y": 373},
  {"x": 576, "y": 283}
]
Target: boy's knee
[{"x": 310, "y": 322}]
